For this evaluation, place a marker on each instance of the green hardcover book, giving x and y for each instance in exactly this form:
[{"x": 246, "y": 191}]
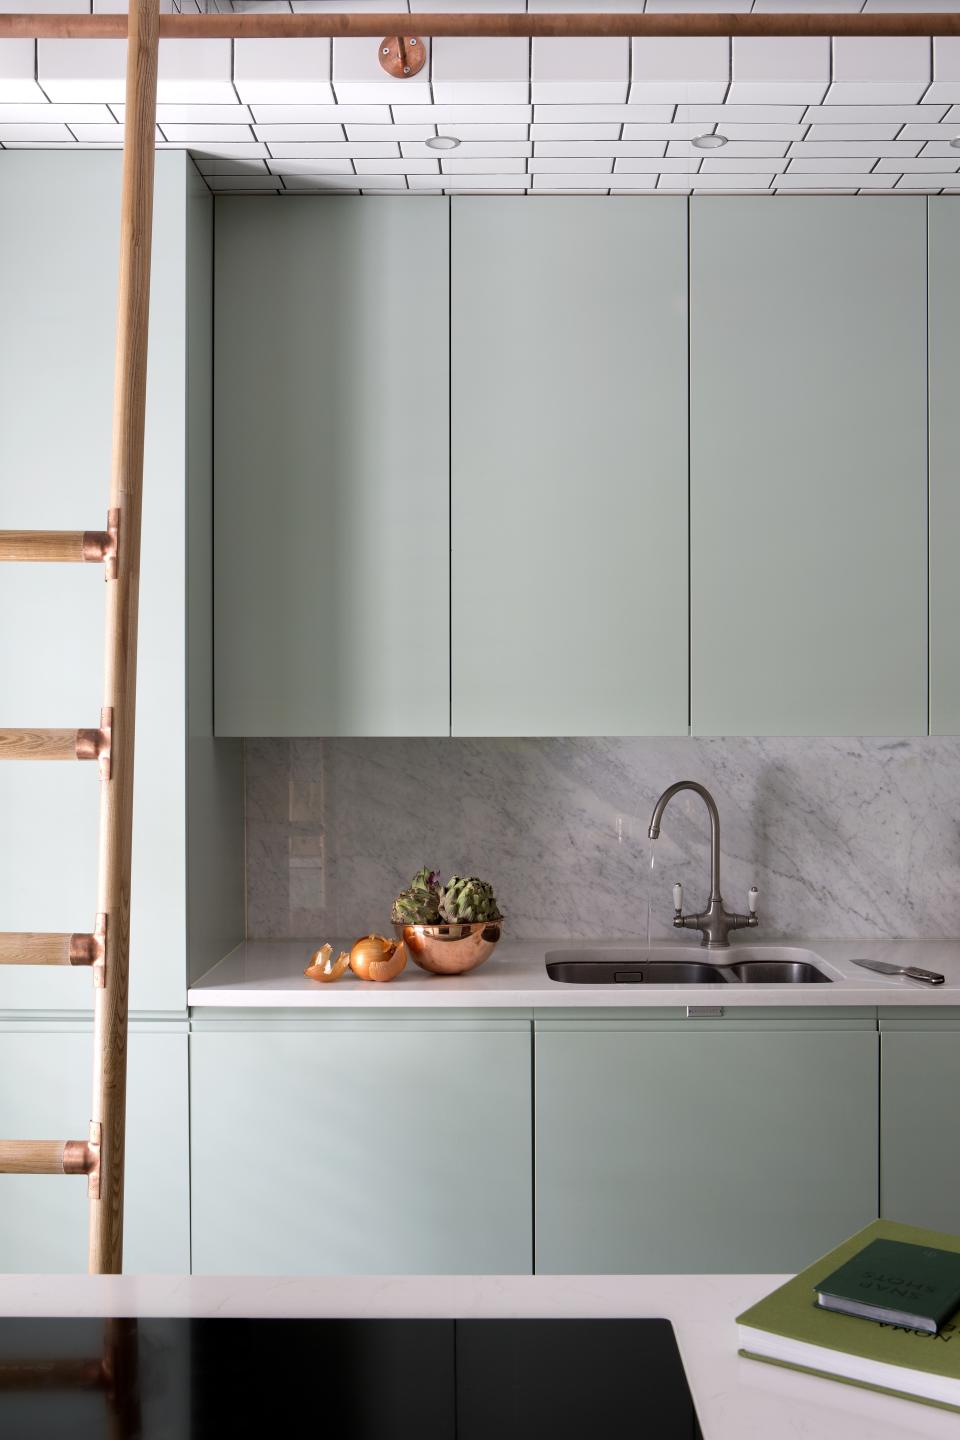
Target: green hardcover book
[
  {"x": 908, "y": 1285},
  {"x": 789, "y": 1328}
]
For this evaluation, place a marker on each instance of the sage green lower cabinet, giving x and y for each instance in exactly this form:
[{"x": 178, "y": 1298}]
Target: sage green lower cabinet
[
  {"x": 390, "y": 1148},
  {"x": 45, "y": 1095},
  {"x": 920, "y": 1134},
  {"x": 702, "y": 1146}
]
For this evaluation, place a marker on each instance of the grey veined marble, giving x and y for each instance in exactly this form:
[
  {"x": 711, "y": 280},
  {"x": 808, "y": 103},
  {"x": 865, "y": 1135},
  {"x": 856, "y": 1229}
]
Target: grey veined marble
[{"x": 842, "y": 837}]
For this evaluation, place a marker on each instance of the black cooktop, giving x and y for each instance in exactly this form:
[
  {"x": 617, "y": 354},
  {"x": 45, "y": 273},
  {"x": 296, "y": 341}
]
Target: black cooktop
[{"x": 347, "y": 1379}]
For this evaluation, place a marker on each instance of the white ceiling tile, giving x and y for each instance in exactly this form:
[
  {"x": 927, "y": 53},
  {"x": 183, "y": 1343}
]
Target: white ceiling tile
[
  {"x": 593, "y": 70},
  {"x": 555, "y": 7},
  {"x": 397, "y": 167},
  {"x": 946, "y": 71},
  {"x": 733, "y": 180},
  {"x": 779, "y": 70},
  {"x": 578, "y": 132},
  {"x": 311, "y": 167},
  {"x": 195, "y": 72},
  {"x": 831, "y": 180},
  {"x": 468, "y": 114},
  {"x": 200, "y": 134},
  {"x": 761, "y": 132},
  {"x": 222, "y": 165},
  {"x": 743, "y": 114},
  {"x": 941, "y": 149},
  {"x": 17, "y": 71},
  {"x": 634, "y": 165},
  {"x": 481, "y": 72},
  {"x": 584, "y": 183},
  {"x": 917, "y": 167},
  {"x": 321, "y": 149},
  {"x": 288, "y": 72},
  {"x": 813, "y": 7},
  {"x": 858, "y": 132},
  {"x": 455, "y": 166},
  {"x": 334, "y": 183},
  {"x": 350, "y": 7},
  {"x": 321, "y": 114},
  {"x": 91, "y": 70},
  {"x": 111, "y": 134},
  {"x": 671, "y": 7},
  {"x": 238, "y": 150},
  {"x": 197, "y": 114},
  {"x": 602, "y": 114},
  {"x": 244, "y": 183},
  {"x": 760, "y": 166},
  {"x": 476, "y": 7},
  {"x": 947, "y": 180},
  {"x": 951, "y": 116},
  {"x": 828, "y": 165},
  {"x": 46, "y": 7},
  {"x": 27, "y": 114},
  {"x": 271, "y": 133},
  {"x": 596, "y": 164},
  {"x": 662, "y": 132},
  {"x": 494, "y": 181},
  {"x": 510, "y": 149},
  {"x": 359, "y": 79},
  {"x": 633, "y": 184},
  {"x": 667, "y": 69},
  {"x": 872, "y": 114},
  {"x": 754, "y": 149},
  {"x": 928, "y": 132},
  {"x": 570, "y": 148},
  {"x": 376, "y": 132},
  {"x": 940, "y": 7},
  {"x": 858, "y": 148},
  {"x": 24, "y": 134},
  {"x": 879, "y": 70},
  {"x": 485, "y": 132}
]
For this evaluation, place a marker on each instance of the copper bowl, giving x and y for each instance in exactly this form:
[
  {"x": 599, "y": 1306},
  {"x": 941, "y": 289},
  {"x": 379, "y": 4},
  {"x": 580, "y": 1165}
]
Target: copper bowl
[{"x": 450, "y": 949}]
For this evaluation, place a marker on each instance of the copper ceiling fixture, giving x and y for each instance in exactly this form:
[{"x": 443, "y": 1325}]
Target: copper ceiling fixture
[{"x": 402, "y": 56}]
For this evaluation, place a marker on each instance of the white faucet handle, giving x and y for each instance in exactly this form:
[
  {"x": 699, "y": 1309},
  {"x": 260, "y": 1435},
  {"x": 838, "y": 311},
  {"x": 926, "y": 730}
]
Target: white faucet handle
[
  {"x": 678, "y": 898},
  {"x": 752, "y": 899}
]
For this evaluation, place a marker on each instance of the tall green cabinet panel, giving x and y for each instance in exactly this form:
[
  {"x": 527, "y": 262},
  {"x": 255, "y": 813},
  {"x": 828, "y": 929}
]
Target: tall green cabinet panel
[
  {"x": 331, "y": 574},
  {"x": 808, "y": 465},
  {"x": 716, "y": 1149},
  {"x": 920, "y": 1138},
  {"x": 569, "y": 466},
  {"x": 395, "y": 1148},
  {"x": 944, "y": 247}
]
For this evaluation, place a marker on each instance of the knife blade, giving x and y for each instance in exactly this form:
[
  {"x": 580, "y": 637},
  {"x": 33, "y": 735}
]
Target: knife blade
[{"x": 913, "y": 972}]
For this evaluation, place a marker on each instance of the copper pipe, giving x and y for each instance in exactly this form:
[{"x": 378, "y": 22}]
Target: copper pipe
[{"x": 375, "y": 26}]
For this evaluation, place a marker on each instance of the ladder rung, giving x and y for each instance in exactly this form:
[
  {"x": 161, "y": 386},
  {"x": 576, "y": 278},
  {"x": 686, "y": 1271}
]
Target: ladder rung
[
  {"x": 31, "y": 948},
  {"x": 30, "y": 1375},
  {"x": 61, "y": 744},
  {"x": 45, "y": 1157},
  {"x": 68, "y": 547}
]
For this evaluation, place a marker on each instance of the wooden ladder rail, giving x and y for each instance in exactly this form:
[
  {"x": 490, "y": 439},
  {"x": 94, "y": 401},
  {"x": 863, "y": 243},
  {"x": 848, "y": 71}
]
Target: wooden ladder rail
[{"x": 107, "y": 948}]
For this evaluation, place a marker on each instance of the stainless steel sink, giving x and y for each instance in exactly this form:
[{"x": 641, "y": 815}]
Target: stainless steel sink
[{"x": 685, "y": 965}]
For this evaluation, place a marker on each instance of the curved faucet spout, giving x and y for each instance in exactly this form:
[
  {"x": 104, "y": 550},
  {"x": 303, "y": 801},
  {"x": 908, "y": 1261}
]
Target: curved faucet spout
[{"x": 714, "y": 814}]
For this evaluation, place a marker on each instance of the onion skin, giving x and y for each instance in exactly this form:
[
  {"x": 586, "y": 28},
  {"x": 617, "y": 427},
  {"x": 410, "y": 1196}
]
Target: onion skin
[
  {"x": 374, "y": 957},
  {"x": 323, "y": 968}
]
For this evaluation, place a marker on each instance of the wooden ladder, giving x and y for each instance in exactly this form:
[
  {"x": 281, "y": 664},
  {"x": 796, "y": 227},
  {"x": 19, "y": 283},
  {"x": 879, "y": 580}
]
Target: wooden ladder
[{"x": 106, "y": 948}]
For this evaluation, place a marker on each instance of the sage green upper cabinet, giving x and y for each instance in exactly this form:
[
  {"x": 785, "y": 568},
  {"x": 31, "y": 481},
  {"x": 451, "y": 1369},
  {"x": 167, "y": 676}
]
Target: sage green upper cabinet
[
  {"x": 808, "y": 466},
  {"x": 944, "y": 247},
  {"x": 569, "y": 466},
  {"x": 331, "y": 466}
]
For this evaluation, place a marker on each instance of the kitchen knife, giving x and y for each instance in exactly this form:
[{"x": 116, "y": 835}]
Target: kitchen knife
[{"x": 913, "y": 972}]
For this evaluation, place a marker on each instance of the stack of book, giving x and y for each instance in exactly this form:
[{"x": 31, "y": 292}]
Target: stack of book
[{"x": 881, "y": 1310}]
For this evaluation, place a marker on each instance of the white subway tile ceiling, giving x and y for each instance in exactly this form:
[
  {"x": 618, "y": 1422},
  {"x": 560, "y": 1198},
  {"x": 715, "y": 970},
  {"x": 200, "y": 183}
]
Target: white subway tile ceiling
[{"x": 597, "y": 116}]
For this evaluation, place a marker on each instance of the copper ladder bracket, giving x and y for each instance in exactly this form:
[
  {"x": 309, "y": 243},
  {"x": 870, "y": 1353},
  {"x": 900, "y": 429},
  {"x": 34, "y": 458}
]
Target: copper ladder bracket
[
  {"x": 102, "y": 545},
  {"x": 95, "y": 744},
  {"x": 92, "y": 950},
  {"x": 82, "y": 1157}
]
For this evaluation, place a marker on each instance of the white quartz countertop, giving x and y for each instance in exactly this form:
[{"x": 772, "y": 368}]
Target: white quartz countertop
[
  {"x": 270, "y": 973},
  {"x": 736, "y": 1399}
]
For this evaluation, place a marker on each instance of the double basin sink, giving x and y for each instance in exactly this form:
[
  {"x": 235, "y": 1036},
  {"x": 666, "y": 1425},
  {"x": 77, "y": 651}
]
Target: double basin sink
[{"x": 687, "y": 965}]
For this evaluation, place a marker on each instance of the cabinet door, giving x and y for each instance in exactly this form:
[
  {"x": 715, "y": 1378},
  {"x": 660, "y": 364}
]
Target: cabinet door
[
  {"x": 331, "y": 551},
  {"x": 44, "y": 1095},
  {"x": 920, "y": 1145},
  {"x": 944, "y": 244},
  {"x": 361, "y": 1152},
  {"x": 661, "y": 1151},
  {"x": 808, "y": 466},
  {"x": 569, "y": 466}
]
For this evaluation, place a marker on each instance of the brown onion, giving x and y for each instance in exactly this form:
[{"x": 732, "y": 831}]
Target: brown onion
[{"x": 374, "y": 957}]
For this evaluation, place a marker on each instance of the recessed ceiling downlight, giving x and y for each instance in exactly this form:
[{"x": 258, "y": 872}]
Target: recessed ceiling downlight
[
  {"x": 955, "y": 142},
  {"x": 708, "y": 142},
  {"x": 442, "y": 142}
]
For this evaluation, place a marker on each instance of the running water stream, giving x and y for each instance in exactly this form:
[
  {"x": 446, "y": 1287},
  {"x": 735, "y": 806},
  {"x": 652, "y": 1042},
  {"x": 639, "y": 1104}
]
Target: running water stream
[{"x": 653, "y": 861}]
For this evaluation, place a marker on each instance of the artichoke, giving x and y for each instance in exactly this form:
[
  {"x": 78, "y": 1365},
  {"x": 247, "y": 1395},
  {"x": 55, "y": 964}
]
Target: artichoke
[
  {"x": 466, "y": 900},
  {"x": 419, "y": 904}
]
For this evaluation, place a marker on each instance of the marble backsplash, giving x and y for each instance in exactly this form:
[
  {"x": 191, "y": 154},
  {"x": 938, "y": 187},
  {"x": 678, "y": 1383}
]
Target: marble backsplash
[{"x": 843, "y": 837}]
